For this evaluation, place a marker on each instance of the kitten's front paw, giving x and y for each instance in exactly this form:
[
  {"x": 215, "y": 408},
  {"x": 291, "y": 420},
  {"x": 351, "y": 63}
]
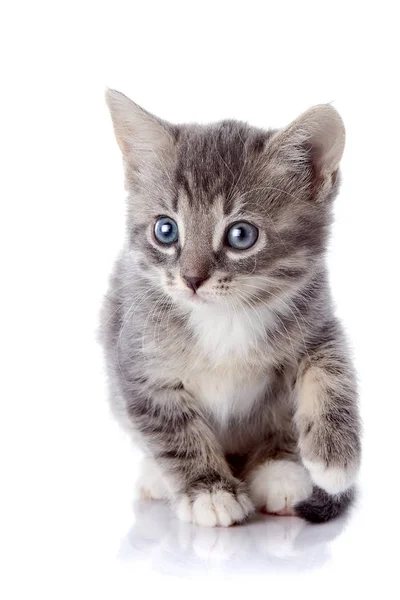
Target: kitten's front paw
[
  {"x": 278, "y": 485},
  {"x": 332, "y": 479},
  {"x": 215, "y": 507}
]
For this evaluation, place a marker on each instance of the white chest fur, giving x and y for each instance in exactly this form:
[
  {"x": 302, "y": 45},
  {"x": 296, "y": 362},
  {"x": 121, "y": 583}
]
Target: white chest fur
[
  {"x": 228, "y": 392},
  {"x": 225, "y": 335},
  {"x": 225, "y": 377}
]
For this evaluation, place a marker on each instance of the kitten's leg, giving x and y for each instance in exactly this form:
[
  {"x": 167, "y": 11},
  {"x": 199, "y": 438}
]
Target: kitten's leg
[
  {"x": 188, "y": 454},
  {"x": 276, "y": 480},
  {"x": 152, "y": 484},
  {"x": 327, "y": 414}
]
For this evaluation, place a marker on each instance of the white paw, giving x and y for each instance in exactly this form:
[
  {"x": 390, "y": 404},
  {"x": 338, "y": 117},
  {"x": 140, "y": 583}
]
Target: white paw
[
  {"x": 333, "y": 480},
  {"x": 210, "y": 509},
  {"x": 277, "y": 485},
  {"x": 152, "y": 484}
]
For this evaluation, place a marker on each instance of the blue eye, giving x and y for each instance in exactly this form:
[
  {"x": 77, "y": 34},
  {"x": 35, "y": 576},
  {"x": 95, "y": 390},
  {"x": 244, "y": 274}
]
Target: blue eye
[
  {"x": 166, "y": 230},
  {"x": 242, "y": 235}
]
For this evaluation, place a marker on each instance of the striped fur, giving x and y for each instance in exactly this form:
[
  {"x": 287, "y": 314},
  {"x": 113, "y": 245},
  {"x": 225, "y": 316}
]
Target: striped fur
[{"x": 254, "y": 367}]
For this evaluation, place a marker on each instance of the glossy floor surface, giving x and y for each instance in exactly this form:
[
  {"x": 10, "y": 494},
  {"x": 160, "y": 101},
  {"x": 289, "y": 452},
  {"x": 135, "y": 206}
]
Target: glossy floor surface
[
  {"x": 85, "y": 536},
  {"x": 350, "y": 554}
]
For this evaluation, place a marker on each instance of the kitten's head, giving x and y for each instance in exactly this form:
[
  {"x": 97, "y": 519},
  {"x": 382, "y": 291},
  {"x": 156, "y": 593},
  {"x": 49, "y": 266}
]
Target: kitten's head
[{"x": 227, "y": 212}]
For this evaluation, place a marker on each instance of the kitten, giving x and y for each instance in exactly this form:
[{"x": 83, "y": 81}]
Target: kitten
[{"x": 225, "y": 360}]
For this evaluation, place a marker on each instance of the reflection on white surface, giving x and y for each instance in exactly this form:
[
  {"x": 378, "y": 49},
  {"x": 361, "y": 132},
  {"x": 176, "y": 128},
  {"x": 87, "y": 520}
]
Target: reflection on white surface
[{"x": 266, "y": 543}]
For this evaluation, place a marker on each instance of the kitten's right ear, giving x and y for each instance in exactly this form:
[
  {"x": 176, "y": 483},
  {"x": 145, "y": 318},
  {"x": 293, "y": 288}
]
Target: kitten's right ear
[
  {"x": 139, "y": 134},
  {"x": 315, "y": 139}
]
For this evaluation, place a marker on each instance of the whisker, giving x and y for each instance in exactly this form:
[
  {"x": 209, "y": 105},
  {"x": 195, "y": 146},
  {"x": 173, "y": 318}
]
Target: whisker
[
  {"x": 250, "y": 322},
  {"x": 142, "y": 297},
  {"x": 286, "y": 305},
  {"x": 114, "y": 312},
  {"x": 114, "y": 291}
]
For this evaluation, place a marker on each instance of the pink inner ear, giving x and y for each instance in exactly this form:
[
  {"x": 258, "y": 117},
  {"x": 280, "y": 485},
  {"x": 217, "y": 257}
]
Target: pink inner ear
[
  {"x": 321, "y": 132},
  {"x": 139, "y": 134},
  {"x": 326, "y": 135}
]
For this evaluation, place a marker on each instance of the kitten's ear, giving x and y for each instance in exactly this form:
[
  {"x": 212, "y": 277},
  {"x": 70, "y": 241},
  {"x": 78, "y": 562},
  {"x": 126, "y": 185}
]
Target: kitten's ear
[
  {"x": 139, "y": 134},
  {"x": 316, "y": 138}
]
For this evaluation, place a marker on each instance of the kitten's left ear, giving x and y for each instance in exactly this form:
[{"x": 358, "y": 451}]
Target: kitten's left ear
[
  {"x": 140, "y": 135},
  {"x": 315, "y": 139}
]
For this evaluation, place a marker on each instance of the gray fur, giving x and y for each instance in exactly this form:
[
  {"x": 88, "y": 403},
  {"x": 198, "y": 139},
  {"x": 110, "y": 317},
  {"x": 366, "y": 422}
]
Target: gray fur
[{"x": 284, "y": 182}]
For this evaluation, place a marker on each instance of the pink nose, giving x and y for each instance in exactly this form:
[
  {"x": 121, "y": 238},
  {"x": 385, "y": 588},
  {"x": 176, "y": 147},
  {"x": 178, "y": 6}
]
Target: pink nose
[{"x": 194, "y": 282}]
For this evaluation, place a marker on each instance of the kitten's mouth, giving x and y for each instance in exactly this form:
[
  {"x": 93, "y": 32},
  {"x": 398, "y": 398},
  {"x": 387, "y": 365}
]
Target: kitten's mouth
[
  {"x": 196, "y": 299},
  {"x": 187, "y": 296},
  {"x": 192, "y": 297}
]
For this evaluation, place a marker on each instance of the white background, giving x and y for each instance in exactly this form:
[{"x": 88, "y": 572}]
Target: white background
[{"x": 68, "y": 527}]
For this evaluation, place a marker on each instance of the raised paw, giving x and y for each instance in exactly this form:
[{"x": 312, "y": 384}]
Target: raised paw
[
  {"x": 332, "y": 479},
  {"x": 215, "y": 507},
  {"x": 277, "y": 485}
]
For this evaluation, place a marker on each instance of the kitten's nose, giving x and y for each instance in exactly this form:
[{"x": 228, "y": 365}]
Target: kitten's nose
[{"x": 194, "y": 282}]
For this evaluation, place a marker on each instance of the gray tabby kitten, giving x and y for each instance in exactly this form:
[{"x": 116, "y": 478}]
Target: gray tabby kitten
[{"x": 224, "y": 356}]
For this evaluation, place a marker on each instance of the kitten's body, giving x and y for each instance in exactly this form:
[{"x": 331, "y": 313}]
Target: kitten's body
[{"x": 238, "y": 382}]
